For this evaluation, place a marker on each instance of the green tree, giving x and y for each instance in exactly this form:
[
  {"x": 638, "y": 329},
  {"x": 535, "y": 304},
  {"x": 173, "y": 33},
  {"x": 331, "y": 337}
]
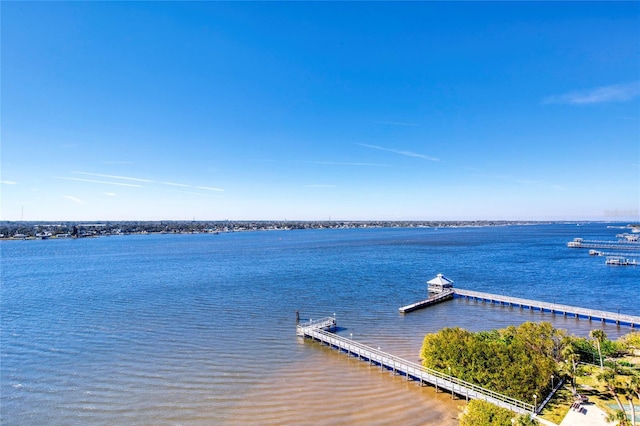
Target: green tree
[
  {"x": 632, "y": 339},
  {"x": 608, "y": 376},
  {"x": 515, "y": 361},
  {"x": 630, "y": 394},
  {"x": 525, "y": 420},
  {"x": 482, "y": 413},
  {"x": 634, "y": 384},
  {"x": 599, "y": 336},
  {"x": 619, "y": 416},
  {"x": 570, "y": 365}
]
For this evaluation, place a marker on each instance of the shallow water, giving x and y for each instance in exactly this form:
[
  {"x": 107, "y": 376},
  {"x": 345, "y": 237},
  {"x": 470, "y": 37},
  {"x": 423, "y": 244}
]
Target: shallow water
[{"x": 200, "y": 329}]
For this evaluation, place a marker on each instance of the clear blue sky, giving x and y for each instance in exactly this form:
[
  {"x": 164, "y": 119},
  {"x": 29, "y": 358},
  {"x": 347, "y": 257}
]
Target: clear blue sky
[{"x": 348, "y": 111}]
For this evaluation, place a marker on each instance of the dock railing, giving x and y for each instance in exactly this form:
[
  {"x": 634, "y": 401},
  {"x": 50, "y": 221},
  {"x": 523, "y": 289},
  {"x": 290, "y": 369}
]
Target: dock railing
[
  {"x": 416, "y": 371},
  {"x": 618, "y": 318},
  {"x": 432, "y": 300},
  {"x": 318, "y": 324},
  {"x": 622, "y": 245}
]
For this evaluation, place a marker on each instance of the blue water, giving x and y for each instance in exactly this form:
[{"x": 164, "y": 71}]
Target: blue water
[{"x": 200, "y": 329}]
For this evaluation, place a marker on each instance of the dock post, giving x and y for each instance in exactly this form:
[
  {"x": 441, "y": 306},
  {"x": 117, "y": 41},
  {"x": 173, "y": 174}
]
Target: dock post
[{"x": 297, "y": 317}]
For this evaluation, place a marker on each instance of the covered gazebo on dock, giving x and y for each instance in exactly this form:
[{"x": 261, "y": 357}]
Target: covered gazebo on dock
[{"x": 439, "y": 284}]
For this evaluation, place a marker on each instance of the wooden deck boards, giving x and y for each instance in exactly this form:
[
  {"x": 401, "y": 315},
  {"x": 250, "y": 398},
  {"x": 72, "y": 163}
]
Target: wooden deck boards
[{"x": 554, "y": 308}]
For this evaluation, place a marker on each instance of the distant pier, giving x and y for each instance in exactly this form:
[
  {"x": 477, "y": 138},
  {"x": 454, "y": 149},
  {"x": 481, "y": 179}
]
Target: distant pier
[
  {"x": 316, "y": 330},
  {"x": 533, "y": 305},
  {"x": 610, "y": 254},
  {"x": 600, "y": 244}
]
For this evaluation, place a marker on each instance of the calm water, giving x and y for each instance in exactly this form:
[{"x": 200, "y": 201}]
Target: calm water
[{"x": 200, "y": 329}]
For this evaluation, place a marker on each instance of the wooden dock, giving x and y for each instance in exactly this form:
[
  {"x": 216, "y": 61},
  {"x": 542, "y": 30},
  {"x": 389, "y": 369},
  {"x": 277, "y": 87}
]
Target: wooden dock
[
  {"x": 408, "y": 369},
  {"x": 609, "y": 254},
  {"x": 535, "y": 305},
  {"x": 595, "y": 244},
  {"x": 327, "y": 323},
  {"x": 437, "y": 298},
  {"x": 554, "y": 308}
]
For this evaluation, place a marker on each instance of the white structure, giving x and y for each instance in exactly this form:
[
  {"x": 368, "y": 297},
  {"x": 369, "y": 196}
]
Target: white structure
[
  {"x": 576, "y": 243},
  {"x": 439, "y": 284}
]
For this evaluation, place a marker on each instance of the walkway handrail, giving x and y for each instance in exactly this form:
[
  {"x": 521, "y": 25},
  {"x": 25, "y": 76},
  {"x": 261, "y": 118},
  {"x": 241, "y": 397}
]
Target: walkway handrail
[
  {"x": 432, "y": 299},
  {"x": 549, "y": 306},
  {"x": 317, "y": 322},
  {"x": 448, "y": 381},
  {"x": 603, "y": 244},
  {"x": 607, "y": 253},
  {"x": 636, "y": 243}
]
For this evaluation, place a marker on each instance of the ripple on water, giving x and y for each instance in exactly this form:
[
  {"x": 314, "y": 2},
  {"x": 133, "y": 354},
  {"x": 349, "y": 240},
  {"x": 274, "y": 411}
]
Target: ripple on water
[{"x": 199, "y": 329}]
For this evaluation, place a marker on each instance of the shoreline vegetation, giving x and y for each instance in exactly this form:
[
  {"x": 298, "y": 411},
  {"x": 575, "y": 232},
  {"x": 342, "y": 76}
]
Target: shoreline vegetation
[
  {"x": 528, "y": 361},
  {"x": 21, "y": 230}
]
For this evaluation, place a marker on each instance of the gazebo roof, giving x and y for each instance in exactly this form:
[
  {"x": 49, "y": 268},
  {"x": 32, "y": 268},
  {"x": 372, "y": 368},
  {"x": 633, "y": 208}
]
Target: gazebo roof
[{"x": 440, "y": 280}]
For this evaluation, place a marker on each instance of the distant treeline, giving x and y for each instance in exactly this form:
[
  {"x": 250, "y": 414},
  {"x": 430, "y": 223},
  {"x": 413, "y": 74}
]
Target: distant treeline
[{"x": 21, "y": 229}]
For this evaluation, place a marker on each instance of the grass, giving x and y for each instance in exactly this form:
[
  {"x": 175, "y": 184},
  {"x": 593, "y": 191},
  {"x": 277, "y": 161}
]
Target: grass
[
  {"x": 588, "y": 385},
  {"x": 558, "y": 406}
]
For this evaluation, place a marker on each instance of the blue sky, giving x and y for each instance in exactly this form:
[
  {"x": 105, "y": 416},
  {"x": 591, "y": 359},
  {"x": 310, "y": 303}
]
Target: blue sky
[{"x": 315, "y": 111}]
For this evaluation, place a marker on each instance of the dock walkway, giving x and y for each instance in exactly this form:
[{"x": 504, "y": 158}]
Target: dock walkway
[
  {"x": 536, "y": 305},
  {"x": 554, "y": 308},
  {"x": 440, "y": 297},
  {"x": 594, "y": 244},
  {"x": 411, "y": 370},
  {"x": 327, "y": 323}
]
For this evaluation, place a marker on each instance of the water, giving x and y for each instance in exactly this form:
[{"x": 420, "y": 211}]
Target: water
[{"x": 200, "y": 329}]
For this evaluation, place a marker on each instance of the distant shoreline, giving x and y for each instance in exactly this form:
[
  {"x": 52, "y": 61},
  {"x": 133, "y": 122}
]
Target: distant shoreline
[{"x": 23, "y": 230}]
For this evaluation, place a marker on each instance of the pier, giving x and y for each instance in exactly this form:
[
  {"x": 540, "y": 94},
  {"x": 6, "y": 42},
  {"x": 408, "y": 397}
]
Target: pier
[
  {"x": 328, "y": 323},
  {"x": 609, "y": 254},
  {"x": 534, "y": 305},
  {"x": 554, "y": 308},
  {"x": 621, "y": 261},
  {"x": 410, "y": 370},
  {"x": 600, "y": 244},
  {"x": 437, "y": 298}
]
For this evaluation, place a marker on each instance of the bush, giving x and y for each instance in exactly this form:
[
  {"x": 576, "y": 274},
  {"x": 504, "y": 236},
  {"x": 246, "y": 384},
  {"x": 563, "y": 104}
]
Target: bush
[
  {"x": 482, "y": 413},
  {"x": 517, "y": 362},
  {"x": 632, "y": 340}
]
